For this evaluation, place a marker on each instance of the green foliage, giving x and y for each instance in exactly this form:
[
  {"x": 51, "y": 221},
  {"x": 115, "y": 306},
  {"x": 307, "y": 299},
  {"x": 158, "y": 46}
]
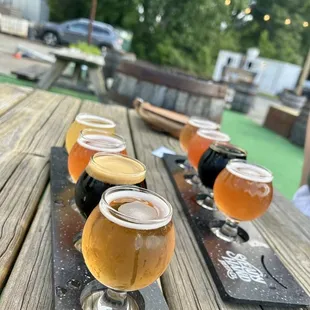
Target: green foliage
[
  {"x": 266, "y": 47},
  {"x": 187, "y": 34},
  {"x": 88, "y": 49}
]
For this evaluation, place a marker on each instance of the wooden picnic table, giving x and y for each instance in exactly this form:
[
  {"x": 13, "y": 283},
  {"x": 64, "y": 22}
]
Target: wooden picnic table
[
  {"x": 65, "y": 56},
  {"x": 31, "y": 122}
]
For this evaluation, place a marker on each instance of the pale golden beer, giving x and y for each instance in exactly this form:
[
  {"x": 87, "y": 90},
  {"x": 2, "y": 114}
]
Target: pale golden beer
[
  {"x": 243, "y": 191},
  {"x": 83, "y": 121},
  {"x": 191, "y": 128},
  {"x": 129, "y": 239}
]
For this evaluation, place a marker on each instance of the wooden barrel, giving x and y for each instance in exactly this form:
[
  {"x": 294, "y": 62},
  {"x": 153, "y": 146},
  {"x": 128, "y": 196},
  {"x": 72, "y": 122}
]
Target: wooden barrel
[
  {"x": 244, "y": 96},
  {"x": 290, "y": 99},
  {"x": 171, "y": 90}
]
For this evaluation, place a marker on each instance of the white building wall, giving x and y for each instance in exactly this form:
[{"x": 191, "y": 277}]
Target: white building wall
[
  {"x": 272, "y": 75},
  {"x": 33, "y": 10}
]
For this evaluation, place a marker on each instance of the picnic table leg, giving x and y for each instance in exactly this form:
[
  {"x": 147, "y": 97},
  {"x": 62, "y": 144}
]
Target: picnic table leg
[
  {"x": 96, "y": 78},
  {"x": 52, "y": 74}
]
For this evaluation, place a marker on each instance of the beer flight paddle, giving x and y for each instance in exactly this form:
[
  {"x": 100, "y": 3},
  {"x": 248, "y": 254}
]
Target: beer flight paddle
[
  {"x": 73, "y": 284},
  {"x": 246, "y": 270}
]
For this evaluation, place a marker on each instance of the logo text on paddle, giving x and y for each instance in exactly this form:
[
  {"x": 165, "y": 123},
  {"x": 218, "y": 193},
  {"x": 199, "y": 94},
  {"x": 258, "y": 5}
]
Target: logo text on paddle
[{"x": 238, "y": 267}]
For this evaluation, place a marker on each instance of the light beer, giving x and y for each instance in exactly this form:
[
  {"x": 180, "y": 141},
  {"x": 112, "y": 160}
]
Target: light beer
[
  {"x": 191, "y": 128},
  {"x": 243, "y": 191},
  {"x": 92, "y": 141},
  {"x": 201, "y": 142},
  {"x": 102, "y": 172},
  {"x": 83, "y": 121},
  {"x": 129, "y": 239}
]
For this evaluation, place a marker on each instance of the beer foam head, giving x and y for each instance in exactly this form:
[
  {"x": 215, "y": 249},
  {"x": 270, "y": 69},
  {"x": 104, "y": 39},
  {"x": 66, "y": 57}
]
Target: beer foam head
[
  {"x": 91, "y": 120},
  {"x": 248, "y": 171},
  {"x": 200, "y": 122},
  {"x": 213, "y": 135},
  {"x": 116, "y": 169},
  {"x": 101, "y": 141},
  {"x": 136, "y": 215}
]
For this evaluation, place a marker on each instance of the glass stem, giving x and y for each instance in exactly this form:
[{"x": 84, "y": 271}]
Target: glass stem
[
  {"x": 230, "y": 228},
  {"x": 112, "y": 299}
]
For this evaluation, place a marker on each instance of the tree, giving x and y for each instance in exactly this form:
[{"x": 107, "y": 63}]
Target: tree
[{"x": 188, "y": 34}]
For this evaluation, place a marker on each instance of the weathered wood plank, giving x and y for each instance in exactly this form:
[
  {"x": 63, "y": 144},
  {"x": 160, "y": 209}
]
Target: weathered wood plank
[
  {"x": 19, "y": 196},
  {"x": 287, "y": 231},
  {"x": 37, "y": 123},
  {"x": 187, "y": 283},
  {"x": 53, "y": 74},
  {"x": 11, "y": 95},
  {"x": 96, "y": 78},
  {"x": 116, "y": 113},
  {"x": 31, "y": 279}
]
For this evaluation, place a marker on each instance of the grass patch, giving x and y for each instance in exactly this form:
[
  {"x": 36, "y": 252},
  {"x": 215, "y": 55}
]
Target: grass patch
[{"x": 68, "y": 92}]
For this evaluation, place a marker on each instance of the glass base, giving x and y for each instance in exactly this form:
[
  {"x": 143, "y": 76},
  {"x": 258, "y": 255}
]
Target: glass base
[
  {"x": 98, "y": 301},
  {"x": 206, "y": 201},
  {"x": 218, "y": 232},
  {"x": 77, "y": 241}
]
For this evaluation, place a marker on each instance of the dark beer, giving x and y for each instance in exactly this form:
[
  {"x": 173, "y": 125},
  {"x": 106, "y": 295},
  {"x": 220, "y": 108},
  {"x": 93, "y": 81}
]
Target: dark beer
[
  {"x": 104, "y": 171},
  {"x": 215, "y": 159}
]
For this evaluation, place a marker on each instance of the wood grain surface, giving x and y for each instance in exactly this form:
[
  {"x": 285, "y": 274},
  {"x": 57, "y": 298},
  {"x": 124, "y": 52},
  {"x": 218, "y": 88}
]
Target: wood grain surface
[
  {"x": 11, "y": 95},
  {"x": 20, "y": 193},
  {"x": 37, "y": 123},
  {"x": 30, "y": 284},
  {"x": 31, "y": 123}
]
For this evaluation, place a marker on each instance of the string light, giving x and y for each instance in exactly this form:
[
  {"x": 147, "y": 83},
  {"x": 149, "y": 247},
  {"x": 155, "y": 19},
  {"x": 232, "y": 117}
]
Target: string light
[
  {"x": 287, "y": 21},
  {"x": 266, "y": 17}
]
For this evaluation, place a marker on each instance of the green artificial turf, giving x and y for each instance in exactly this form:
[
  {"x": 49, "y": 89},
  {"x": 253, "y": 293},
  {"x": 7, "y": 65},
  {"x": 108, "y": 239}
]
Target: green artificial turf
[
  {"x": 266, "y": 148},
  {"x": 57, "y": 90}
]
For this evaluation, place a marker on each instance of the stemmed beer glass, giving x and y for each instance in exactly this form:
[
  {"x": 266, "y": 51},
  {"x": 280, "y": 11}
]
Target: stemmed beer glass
[
  {"x": 243, "y": 192},
  {"x": 128, "y": 242}
]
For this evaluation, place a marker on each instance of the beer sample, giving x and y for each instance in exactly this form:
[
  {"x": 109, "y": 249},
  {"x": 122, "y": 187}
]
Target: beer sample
[
  {"x": 83, "y": 121},
  {"x": 215, "y": 159},
  {"x": 129, "y": 239},
  {"x": 92, "y": 141},
  {"x": 243, "y": 191},
  {"x": 189, "y": 130},
  {"x": 104, "y": 171},
  {"x": 201, "y": 142}
]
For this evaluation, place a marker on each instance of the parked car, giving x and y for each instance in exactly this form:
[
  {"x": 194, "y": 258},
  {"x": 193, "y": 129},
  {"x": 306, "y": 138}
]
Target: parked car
[{"x": 103, "y": 35}]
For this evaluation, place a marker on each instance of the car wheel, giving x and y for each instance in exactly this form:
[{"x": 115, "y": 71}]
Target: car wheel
[{"x": 50, "y": 38}]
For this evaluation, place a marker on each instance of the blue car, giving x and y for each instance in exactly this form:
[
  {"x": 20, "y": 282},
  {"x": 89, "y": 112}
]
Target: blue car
[{"x": 103, "y": 35}]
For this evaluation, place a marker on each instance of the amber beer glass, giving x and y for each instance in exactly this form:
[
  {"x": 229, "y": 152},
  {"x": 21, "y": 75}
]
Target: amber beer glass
[
  {"x": 102, "y": 172},
  {"x": 128, "y": 242},
  {"x": 83, "y": 121},
  {"x": 92, "y": 141},
  {"x": 189, "y": 130},
  {"x": 243, "y": 192},
  {"x": 212, "y": 162},
  {"x": 201, "y": 142}
]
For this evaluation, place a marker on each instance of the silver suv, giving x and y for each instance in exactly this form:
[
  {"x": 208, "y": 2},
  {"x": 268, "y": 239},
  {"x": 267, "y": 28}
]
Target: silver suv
[{"x": 72, "y": 31}]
